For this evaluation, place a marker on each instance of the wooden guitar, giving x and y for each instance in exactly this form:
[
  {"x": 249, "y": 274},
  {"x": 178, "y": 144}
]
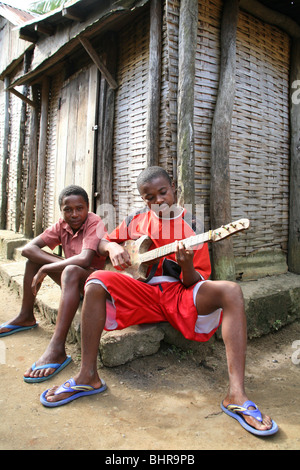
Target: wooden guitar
[{"x": 141, "y": 258}]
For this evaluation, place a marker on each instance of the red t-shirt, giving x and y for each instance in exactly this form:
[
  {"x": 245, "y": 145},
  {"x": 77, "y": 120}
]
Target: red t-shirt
[
  {"x": 86, "y": 237},
  {"x": 163, "y": 232}
]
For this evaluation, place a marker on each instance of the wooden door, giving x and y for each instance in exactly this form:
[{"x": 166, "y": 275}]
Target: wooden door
[{"x": 76, "y": 132}]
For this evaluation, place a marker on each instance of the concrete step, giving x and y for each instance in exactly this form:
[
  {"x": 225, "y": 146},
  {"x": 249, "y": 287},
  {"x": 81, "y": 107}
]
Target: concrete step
[
  {"x": 271, "y": 303},
  {"x": 9, "y": 242}
]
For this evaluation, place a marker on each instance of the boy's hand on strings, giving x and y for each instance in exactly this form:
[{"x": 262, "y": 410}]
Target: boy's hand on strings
[{"x": 184, "y": 255}]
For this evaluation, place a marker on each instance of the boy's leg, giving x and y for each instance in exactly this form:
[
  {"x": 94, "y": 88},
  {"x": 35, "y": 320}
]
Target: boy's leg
[
  {"x": 93, "y": 321},
  {"x": 26, "y": 316},
  {"x": 228, "y": 296},
  {"x": 72, "y": 284}
]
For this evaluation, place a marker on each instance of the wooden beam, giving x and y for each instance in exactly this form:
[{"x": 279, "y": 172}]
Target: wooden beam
[
  {"x": 220, "y": 202},
  {"x": 32, "y": 167},
  {"x": 28, "y": 35},
  {"x": 22, "y": 97},
  {"x": 270, "y": 16},
  {"x": 44, "y": 28},
  {"x": 41, "y": 176},
  {"x": 73, "y": 14},
  {"x": 154, "y": 84},
  {"x": 98, "y": 62},
  {"x": 105, "y": 121},
  {"x": 294, "y": 214},
  {"x": 5, "y": 157},
  {"x": 188, "y": 22}
]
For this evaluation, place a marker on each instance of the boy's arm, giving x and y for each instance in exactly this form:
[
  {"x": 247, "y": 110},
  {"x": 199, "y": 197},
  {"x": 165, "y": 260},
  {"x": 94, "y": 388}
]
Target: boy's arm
[
  {"x": 33, "y": 251},
  {"x": 83, "y": 260}
]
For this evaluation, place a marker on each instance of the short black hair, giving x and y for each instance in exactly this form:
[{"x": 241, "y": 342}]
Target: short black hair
[
  {"x": 72, "y": 190},
  {"x": 151, "y": 172}
]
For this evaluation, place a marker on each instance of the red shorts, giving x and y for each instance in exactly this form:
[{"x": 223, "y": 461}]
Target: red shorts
[{"x": 135, "y": 302}]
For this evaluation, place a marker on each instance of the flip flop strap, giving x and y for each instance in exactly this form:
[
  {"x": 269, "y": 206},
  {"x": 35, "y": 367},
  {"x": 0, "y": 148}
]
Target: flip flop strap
[
  {"x": 45, "y": 366},
  {"x": 73, "y": 387},
  {"x": 11, "y": 327},
  {"x": 244, "y": 409}
]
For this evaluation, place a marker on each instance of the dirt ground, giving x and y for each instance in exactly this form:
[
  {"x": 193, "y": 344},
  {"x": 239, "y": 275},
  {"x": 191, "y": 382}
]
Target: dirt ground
[{"x": 168, "y": 401}]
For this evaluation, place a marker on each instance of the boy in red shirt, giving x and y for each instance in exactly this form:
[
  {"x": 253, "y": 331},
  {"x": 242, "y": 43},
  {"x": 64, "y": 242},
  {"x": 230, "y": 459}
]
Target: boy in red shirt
[
  {"x": 179, "y": 292},
  {"x": 76, "y": 233}
]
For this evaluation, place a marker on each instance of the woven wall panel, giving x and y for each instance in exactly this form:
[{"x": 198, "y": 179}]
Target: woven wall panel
[
  {"x": 259, "y": 153},
  {"x": 206, "y": 88},
  {"x": 259, "y": 156},
  {"x": 15, "y": 113},
  {"x": 129, "y": 151},
  {"x": 51, "y": 210},
  {"x": 2, "y": 117}
]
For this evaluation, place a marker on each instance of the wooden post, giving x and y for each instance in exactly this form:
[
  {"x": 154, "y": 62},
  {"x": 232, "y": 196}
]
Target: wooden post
[
  {"x": 5, "y": 157},
  {"x": 105, "y": 121},
  {"x": 154, "y": 84},
  {"x": 41, "y": 175},
  {"x": 22, "y": 135},
  {"x": 294, "y": 216},
  {"x": 220, "y": 204},
  {"x": 188, "y": 22},
  {"x": 32, "y": 166}
]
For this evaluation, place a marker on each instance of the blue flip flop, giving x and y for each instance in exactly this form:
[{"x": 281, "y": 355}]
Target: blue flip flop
[
  {"x": 15, "y": 329},
  {"x": 237, "y": 412},
  {"x": 80, "y": 391},
  {"x": 57, "y": 367}
]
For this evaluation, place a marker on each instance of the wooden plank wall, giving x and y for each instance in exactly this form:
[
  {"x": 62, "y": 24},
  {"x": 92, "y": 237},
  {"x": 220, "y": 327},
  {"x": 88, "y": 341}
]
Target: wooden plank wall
[{"x": 75, "y": 136}]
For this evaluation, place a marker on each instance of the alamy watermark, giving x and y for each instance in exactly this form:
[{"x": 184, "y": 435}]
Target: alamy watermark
[
  {"x": 296, "y": 354},
  {"x": 167, "y": 214},
  {"x": 2, "y": 353},
  {"x": 296, "y": 93}
]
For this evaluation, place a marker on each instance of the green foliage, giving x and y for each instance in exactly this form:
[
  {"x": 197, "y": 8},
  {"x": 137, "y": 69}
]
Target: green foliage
[{"x": 45, "y": 6}]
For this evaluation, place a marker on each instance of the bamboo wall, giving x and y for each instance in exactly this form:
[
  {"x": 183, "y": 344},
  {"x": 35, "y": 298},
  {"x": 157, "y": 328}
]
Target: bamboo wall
[
  {"x": 129, "y": 152},
  {"x": 259, "y": 157},
  {"x": 260, "y": 137}
]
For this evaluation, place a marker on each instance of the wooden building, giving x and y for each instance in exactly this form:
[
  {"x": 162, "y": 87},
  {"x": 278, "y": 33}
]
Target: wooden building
[{"x": 208, "y": 89}]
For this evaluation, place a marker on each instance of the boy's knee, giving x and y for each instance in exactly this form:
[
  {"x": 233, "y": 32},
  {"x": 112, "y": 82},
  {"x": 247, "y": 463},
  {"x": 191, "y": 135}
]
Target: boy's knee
[
  {"x": 233, "y": 291},
  {"x": 71, "y": 273},
  {"x": 95, "y": 290}
]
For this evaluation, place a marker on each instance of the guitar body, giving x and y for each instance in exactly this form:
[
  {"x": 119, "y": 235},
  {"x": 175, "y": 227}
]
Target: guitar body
[{"x": 138, "y": 269}]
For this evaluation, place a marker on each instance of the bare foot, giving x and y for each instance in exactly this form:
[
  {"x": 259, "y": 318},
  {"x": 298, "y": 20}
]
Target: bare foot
[{"x": 20, "y": 320}]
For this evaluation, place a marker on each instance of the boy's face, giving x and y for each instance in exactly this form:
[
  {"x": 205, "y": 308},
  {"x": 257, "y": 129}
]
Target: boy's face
[
  {"x": 74, "y": 211},
  {"x": 159, "y": 195}
]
